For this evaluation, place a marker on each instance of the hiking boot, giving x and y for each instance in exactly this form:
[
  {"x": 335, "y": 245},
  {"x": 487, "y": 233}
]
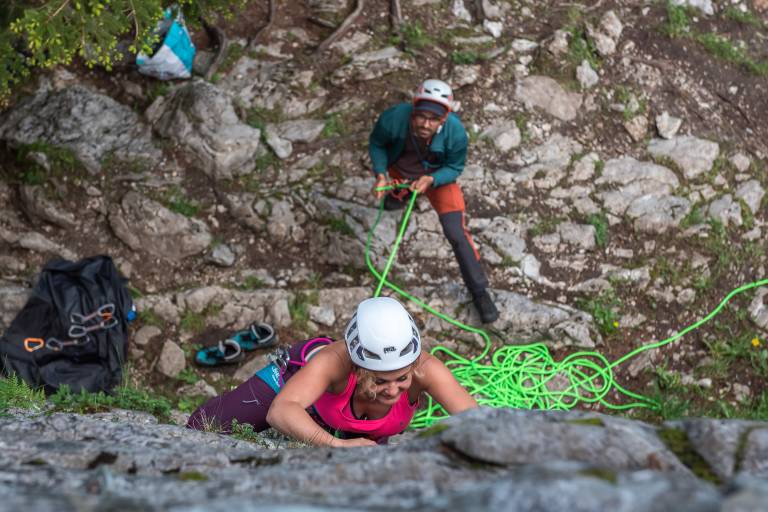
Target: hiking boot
[
  {"x": 486, "y": 307},
  {"x": 393, "y": 203}
]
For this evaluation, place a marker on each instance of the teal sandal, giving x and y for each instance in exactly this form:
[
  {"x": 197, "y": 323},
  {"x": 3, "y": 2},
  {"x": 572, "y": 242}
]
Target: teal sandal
[
  {"x": 257, "y": 336},
  {"x": 225, "y": 352}
]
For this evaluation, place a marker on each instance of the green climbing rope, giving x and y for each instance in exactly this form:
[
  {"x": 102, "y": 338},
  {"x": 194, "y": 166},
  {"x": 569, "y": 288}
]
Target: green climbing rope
[{"x": 526, "y": 376}]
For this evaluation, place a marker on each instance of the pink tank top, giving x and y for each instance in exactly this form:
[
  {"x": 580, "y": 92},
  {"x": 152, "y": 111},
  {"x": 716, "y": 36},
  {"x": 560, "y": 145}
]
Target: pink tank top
[{"x": 335, "y": 410}]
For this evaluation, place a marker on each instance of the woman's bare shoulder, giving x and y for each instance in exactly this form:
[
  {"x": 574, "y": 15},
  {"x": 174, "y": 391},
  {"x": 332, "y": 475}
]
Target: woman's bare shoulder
[
  {"x": 333, "y": 360},
  {"x": 422, "y": 367}
]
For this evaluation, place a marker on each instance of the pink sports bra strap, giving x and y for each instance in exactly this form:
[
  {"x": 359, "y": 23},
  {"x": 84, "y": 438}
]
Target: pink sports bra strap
[{"x": 310, "y": 348}]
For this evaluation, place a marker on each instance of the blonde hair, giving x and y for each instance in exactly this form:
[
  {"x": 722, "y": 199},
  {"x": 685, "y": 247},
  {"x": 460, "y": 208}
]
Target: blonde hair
[{"x": 366, "y": 379}]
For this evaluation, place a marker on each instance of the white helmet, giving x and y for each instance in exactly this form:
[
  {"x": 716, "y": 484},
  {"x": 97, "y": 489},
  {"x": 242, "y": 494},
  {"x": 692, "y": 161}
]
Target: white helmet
[
  {"x": 437, "y": 91},
  {"x": 382, "y": 336}
]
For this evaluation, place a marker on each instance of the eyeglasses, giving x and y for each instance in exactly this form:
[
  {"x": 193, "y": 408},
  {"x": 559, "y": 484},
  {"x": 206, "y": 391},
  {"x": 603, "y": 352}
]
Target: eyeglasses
[{"x": 427, "y": 119}]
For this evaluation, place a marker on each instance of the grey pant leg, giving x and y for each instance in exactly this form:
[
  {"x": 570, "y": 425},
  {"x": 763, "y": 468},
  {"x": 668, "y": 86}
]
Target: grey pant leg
[{"x": 471, "y": 270}]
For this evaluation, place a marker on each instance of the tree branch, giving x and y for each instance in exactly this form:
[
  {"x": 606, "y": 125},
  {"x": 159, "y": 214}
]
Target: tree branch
[
  {"x": 342, "y": 28},
  {"x": 217, "y": 35},
  {"x": 395, "y": 14},
  {"x": 270, "y": 20}
]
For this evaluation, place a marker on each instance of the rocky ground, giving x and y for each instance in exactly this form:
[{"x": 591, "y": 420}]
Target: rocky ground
[
  {"x": 615, "y": 185},
  {"x": 482, "y": 460}
]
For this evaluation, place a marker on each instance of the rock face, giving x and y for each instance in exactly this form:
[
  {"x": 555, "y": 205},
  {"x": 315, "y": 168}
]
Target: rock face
[
  {"x": 146, "y": 225},
  {"x": 482, "y": 460},
  {"x": 202, "y": 119},
  {"x": 546, "y": 94},
  {"x": 92, "y": 125},
  {"x": 371, "y": 65},
  {"x": 695, "y": 156}
]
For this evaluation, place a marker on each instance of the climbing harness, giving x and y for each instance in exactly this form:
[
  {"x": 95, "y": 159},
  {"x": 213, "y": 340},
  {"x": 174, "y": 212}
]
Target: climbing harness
[{"x": 526, "y": 376}]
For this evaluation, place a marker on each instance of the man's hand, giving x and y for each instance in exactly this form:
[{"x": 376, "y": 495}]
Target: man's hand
[
  {"x": 422, "y": 184},
  {"x": 381, "y": 181}
]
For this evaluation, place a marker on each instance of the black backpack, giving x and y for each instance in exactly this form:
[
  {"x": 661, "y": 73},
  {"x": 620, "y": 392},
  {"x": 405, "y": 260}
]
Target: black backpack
[{"x": 72, "y": 330}]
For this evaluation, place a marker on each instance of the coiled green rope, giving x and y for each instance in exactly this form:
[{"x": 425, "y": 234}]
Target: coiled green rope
[{"x": 526, "y": 376}]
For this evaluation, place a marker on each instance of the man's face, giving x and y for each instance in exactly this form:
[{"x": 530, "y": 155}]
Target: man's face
[{"x": 424, "y": 124}]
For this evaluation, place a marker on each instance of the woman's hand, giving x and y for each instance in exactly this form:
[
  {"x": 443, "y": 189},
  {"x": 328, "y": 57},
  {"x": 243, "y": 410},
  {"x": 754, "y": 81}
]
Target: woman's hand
[{"x": 349, "y": 443}]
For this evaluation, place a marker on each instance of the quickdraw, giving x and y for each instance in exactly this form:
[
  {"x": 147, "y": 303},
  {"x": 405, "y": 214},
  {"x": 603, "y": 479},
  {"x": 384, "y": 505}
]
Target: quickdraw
[
  {"x": 83, "y": 324},
  {"x": 54, "y": 344}
]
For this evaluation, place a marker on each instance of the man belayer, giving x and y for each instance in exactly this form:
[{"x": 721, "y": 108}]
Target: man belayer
[{"x": 423, "y": 142}]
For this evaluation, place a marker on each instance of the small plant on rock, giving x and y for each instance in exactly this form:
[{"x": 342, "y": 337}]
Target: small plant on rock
[{"x": 604, "y": 310}]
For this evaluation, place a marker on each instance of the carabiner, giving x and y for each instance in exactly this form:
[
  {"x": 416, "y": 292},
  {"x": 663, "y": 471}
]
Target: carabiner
[
  {"x": 78, "y": 331},
  {"x": 29, "y": 341},
  {"x": 104, "y": 313}
]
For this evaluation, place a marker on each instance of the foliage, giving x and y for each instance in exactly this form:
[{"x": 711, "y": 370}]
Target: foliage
[
  {"x": 14, "y": 392},
  {"x": 149, "y": 317},
  {"x": 233, "y": 54},
  {"x": 694, "y": 217},
  {"x": 678, "y": 26},
  {"x": 299, "y": 308},
  {"x": 669, "y": 394},
  {"x": 245, "y": 432},
  {"x": 188, "y": 376},
  {"x": 179, "y": 203},
  {"x": 264, "y": 161},
  {"x": 195, "y": 322},
  {"x": 189, "y": 404},
  {"x": 412, "y": 36},
  {"x": 464, "y": 57},
  {"x": 678, "y": 23},
  {"x": 334, "y": 125},
  {"x": 604, "y": 309},
  {"x": 521, "y": 121},
  {"x": 600, "y": 223},
  {"x": 339, "y": 226},
  {"x": 545, "y": 226},
  {"x": 252, "y": 282},
  {"x": 723, "y": 48},
  {"x": 744, "y": 17},
  {"x": 633, "y": 105},
  {"x": 61, "y": 161},
  {"x": 125, "y": 397},
  {"x": 581, "y": 47},
  {"x": 45, "y": 34}
]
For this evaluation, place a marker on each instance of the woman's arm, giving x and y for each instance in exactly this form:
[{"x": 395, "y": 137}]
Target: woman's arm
[
  {"x": 288, "y": 410},
  {"x": 439, "y": 382}
]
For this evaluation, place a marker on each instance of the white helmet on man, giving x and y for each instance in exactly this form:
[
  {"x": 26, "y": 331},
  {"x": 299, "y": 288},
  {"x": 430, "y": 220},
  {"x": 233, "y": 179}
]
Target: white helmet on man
[
  {"x": 436, "y": 91},
  {"x": 382, "y": 336}
]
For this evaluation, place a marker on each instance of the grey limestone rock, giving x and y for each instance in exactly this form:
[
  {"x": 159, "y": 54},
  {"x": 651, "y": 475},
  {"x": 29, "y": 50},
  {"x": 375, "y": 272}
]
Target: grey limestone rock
[
  {"x": 695, "y": 156},
  {"x": 201, "y": 118},
  {"x": 12, "y": 299},
  {"x": 545, "y": 93},
  {"x": 147, "y": 226},
  {"x": 751, "y": 192},
  {"x": 726, "y": 210},
  {"x": 658, "y": 214},
  {"x": 172, "y": 359},
  {"x": 222, "y": 256},
  {"x": 504, "y": 134},
  {"x": 91, "y": 124},
  {"x": 38, "y": 205},
  {"x": 372, "y": 65}
]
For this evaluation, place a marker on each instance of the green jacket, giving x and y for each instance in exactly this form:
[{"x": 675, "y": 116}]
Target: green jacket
[{"x": 449, "y": 145}]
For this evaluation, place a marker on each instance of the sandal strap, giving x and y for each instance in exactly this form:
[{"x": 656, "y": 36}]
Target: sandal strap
[
  {"x": 235, "y": 349},
  {"x": 257, "y": 336}
]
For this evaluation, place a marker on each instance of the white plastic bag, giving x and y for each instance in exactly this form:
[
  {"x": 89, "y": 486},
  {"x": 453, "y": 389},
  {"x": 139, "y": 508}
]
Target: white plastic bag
[{"x": 174, "y": 57}]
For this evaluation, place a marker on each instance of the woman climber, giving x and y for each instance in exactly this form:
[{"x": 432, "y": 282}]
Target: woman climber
[{"x": 329, "y": 393}]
